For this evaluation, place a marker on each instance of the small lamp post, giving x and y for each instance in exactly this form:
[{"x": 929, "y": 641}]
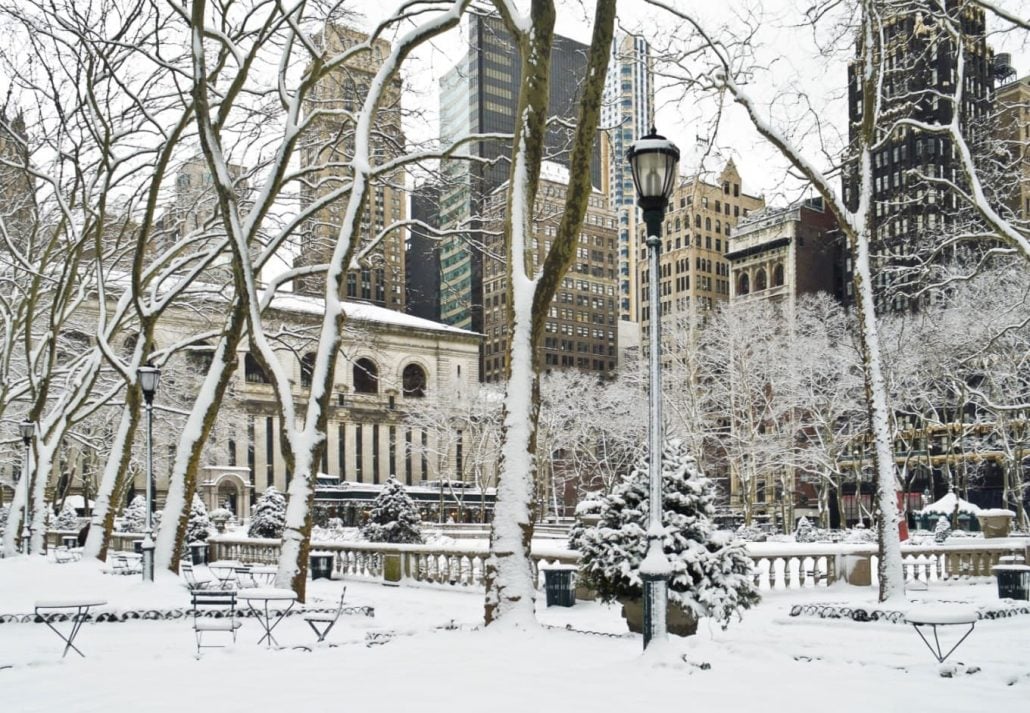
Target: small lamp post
[
  {"x": 149, "y": 376},
  {"x": 27, "y": 429},
  {"x": 654, "y": 161}
]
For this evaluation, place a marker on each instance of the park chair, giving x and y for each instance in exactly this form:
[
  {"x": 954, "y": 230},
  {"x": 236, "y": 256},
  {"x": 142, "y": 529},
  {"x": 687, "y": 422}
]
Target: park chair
[
  {"x": 323, "y": 622},
  {"x": 214, "y": 611},
  {"x": 123, "y": 564},
  {"x": 194, "y": 582},
  {"x": 244, "y": 577}
]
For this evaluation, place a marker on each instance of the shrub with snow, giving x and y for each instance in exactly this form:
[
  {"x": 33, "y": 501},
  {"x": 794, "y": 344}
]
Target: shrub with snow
[
  {"x": 587, "y": 511},
  {"x": 942, "y": 530},
  {"x": 134, "y": 517},
  {"x": 711, "y": 572},
  {"x": 393, "y": 517},
  {"x": 68, "y": 519},
  {"x": 805, "y": 532},
  {"x": 198, "y": 527},
  {"x": 269, "y": 515}
]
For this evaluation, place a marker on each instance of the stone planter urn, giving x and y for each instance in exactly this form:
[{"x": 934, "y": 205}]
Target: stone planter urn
[
  {"x": 218, "y": 517},
  {"x": 995, "y": 523},
  {"x": 679, "y": 621}
]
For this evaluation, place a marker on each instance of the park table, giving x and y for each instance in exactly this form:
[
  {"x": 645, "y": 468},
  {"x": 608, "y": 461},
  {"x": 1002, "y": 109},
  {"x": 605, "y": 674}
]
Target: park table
[
  {"x": 263, "y": 615},
  {"x": 224, "y": 571},
  {"x": 933, "y": 616},
  {"x": 49, "y": 610}
]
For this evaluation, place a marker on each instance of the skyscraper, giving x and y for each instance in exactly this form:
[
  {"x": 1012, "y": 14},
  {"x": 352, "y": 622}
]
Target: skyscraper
[
  {"x": 580, "y": 331},
  {"x": 627, "y": 114},
  {"x": 919, "y": 75},
  {"x": 1013, "y": 135},
  {"x": 480, "y": 94},
  {"x": 326, "y": 154}
]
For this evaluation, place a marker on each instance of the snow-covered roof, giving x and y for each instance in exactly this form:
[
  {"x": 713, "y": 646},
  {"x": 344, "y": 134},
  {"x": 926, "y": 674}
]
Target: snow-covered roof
[
  {"x": 946, "y": 506},
  {"x": 363, "y": 312}
]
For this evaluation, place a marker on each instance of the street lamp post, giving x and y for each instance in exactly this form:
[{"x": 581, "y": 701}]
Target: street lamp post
[
  {"x": 27, "y": 429},
  {"x": 654, "y": 161},
  {"x": 149, "y": 376}
]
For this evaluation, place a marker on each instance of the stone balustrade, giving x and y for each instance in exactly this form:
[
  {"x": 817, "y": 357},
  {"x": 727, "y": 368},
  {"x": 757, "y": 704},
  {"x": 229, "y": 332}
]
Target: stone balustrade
[{"x": 777, "y": 566}]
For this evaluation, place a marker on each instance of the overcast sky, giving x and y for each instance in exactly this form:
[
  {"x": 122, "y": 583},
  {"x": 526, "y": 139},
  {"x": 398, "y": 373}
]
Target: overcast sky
[{"x": 784, "y": 55}]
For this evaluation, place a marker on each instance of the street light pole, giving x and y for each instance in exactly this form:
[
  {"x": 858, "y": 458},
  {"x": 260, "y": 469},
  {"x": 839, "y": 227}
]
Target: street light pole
[
  {"x": 149, "y": 376},
  {"x": 654, "y": 161},
  {"x": 27, "y": 429}
]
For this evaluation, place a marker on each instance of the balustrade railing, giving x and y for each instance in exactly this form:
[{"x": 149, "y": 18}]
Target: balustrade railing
[{"x": 777, "y": 566}]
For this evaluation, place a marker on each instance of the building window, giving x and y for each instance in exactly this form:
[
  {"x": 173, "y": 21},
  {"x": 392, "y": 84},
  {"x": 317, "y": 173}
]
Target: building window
[
  {"x": 414, "y": 381},
  {"x": 743, "y": 284},
  {"x": 252, "y": 371},
  {"x": 341, "y": 451},
  {"x": 407, "y": 456},
  {"x": 307, "y": 368},
  {"x": 269, "y": 453},
  {"x": 359, "y": 457},
  {"x": 375, "y": 453},
  {"x": 760, "y": 282},
  {"x": 778, "y": 276},
  {"x": 366, "y": 377}
]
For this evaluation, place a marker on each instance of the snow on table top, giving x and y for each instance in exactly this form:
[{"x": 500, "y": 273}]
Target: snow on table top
[
  {"x": 69, "y": 603},
  {"x": 941, "y": 614},
  {"x": 269, "y": 593}
]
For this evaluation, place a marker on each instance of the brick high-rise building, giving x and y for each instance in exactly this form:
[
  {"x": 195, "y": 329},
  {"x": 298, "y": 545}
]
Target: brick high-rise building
[
  {"x": 694, "y": 269},
  {"x": 380, "y": 278},
  {"x": 581, "y": 330},
  {"x": 480, "y": 94},
  {"x": 1013, "y": 107}
]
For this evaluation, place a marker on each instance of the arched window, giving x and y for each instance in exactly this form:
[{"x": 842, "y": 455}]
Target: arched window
[
  {"x": 760, "y": 281},
  {"x": 743, "y": 284},
  {"x": 778, "y": 275},
  {"x": 414, "y": 381},
  {"x": 718, "y": 226},
  {"x": 708, "y": 223},
  {"x": 697, "y": 221},
  {"x": 366, "y": 377},
  {"x": 253, "y": 372},
  {"x": 307, "y": 368}
]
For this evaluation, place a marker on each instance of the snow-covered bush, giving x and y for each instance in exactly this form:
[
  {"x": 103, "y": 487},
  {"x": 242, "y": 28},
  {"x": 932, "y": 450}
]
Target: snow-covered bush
[
  {"x": 393, "y": 517},
  {"x": 198, "y": 527},
  {"x": 269, "y": 515},
  {"x": 3, "y": 518},
  {"x": 751, "y": 533},
  {"x": 711, "y": 572},
  {"x": 68, "y": 519},
  {"x": 587, "y": 511},
  {"x": 942, "y": 530},
  {"x": 134, "y": 517},
  {"x": 805, "y": 532}
]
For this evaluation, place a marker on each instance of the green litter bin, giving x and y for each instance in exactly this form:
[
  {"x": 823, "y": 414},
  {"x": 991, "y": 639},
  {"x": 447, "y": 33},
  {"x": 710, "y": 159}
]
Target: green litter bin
[
  {"x": 1013, "y": 581},
  {"x": 558, "y": 585}
]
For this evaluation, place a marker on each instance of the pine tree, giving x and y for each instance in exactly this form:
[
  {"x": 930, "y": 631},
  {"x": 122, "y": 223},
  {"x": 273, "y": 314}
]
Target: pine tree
[
  {"x": 198, "y": 527},
  {"x": 134, "y": 517},
  {"x": 269, "y": 515},
  {"x": 393, "y": 517},
  {"x": 711, "y": 572},
  {"x": 68, "y": 519}
]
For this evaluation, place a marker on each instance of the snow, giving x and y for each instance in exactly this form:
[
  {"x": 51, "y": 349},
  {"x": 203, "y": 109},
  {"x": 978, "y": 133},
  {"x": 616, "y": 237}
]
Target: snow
[
  {"x": 362, "y": 312},
  {"x": 941, "y": 614},
  {"x": 946, "y": 506},
  {"x": 996, "y": 512},
  {"x": 436, "y": 660}
]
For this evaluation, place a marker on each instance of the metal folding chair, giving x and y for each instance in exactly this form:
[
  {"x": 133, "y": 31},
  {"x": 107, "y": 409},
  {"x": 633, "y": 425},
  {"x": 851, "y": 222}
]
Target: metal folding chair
[
  {"x": 323, "y": 622},
  {"x": 220, "y": 609}
]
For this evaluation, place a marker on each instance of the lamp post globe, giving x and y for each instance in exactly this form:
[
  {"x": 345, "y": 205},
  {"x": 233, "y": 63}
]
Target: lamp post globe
[
  {"x": 654, "y": 161},
  {"x": 149, "y": 377},
  {"x": 26, "y": 429}
]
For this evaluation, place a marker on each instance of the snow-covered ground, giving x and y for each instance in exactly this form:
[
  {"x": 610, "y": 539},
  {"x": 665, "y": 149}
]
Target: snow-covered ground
[{"x": 768, "y": 662}]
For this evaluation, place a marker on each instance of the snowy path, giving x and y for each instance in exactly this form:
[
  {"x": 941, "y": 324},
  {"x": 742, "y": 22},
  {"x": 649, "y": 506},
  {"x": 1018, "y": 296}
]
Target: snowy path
[{"x": 769, "y": 662}]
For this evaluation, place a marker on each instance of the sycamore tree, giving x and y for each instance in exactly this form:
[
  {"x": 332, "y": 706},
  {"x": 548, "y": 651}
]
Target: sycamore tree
[{"x": 510, "y": 590}]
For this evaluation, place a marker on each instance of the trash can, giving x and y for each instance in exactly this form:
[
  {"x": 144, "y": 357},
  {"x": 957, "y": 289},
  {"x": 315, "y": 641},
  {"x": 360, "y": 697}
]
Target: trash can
[
  {"x": 321, "y": 565},
  {"x": 137, "y": 546},
  {"x": 1013, "y": 581},
  {"x": 558, "y": 585},
  {"x": 198, "y": 552}
]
